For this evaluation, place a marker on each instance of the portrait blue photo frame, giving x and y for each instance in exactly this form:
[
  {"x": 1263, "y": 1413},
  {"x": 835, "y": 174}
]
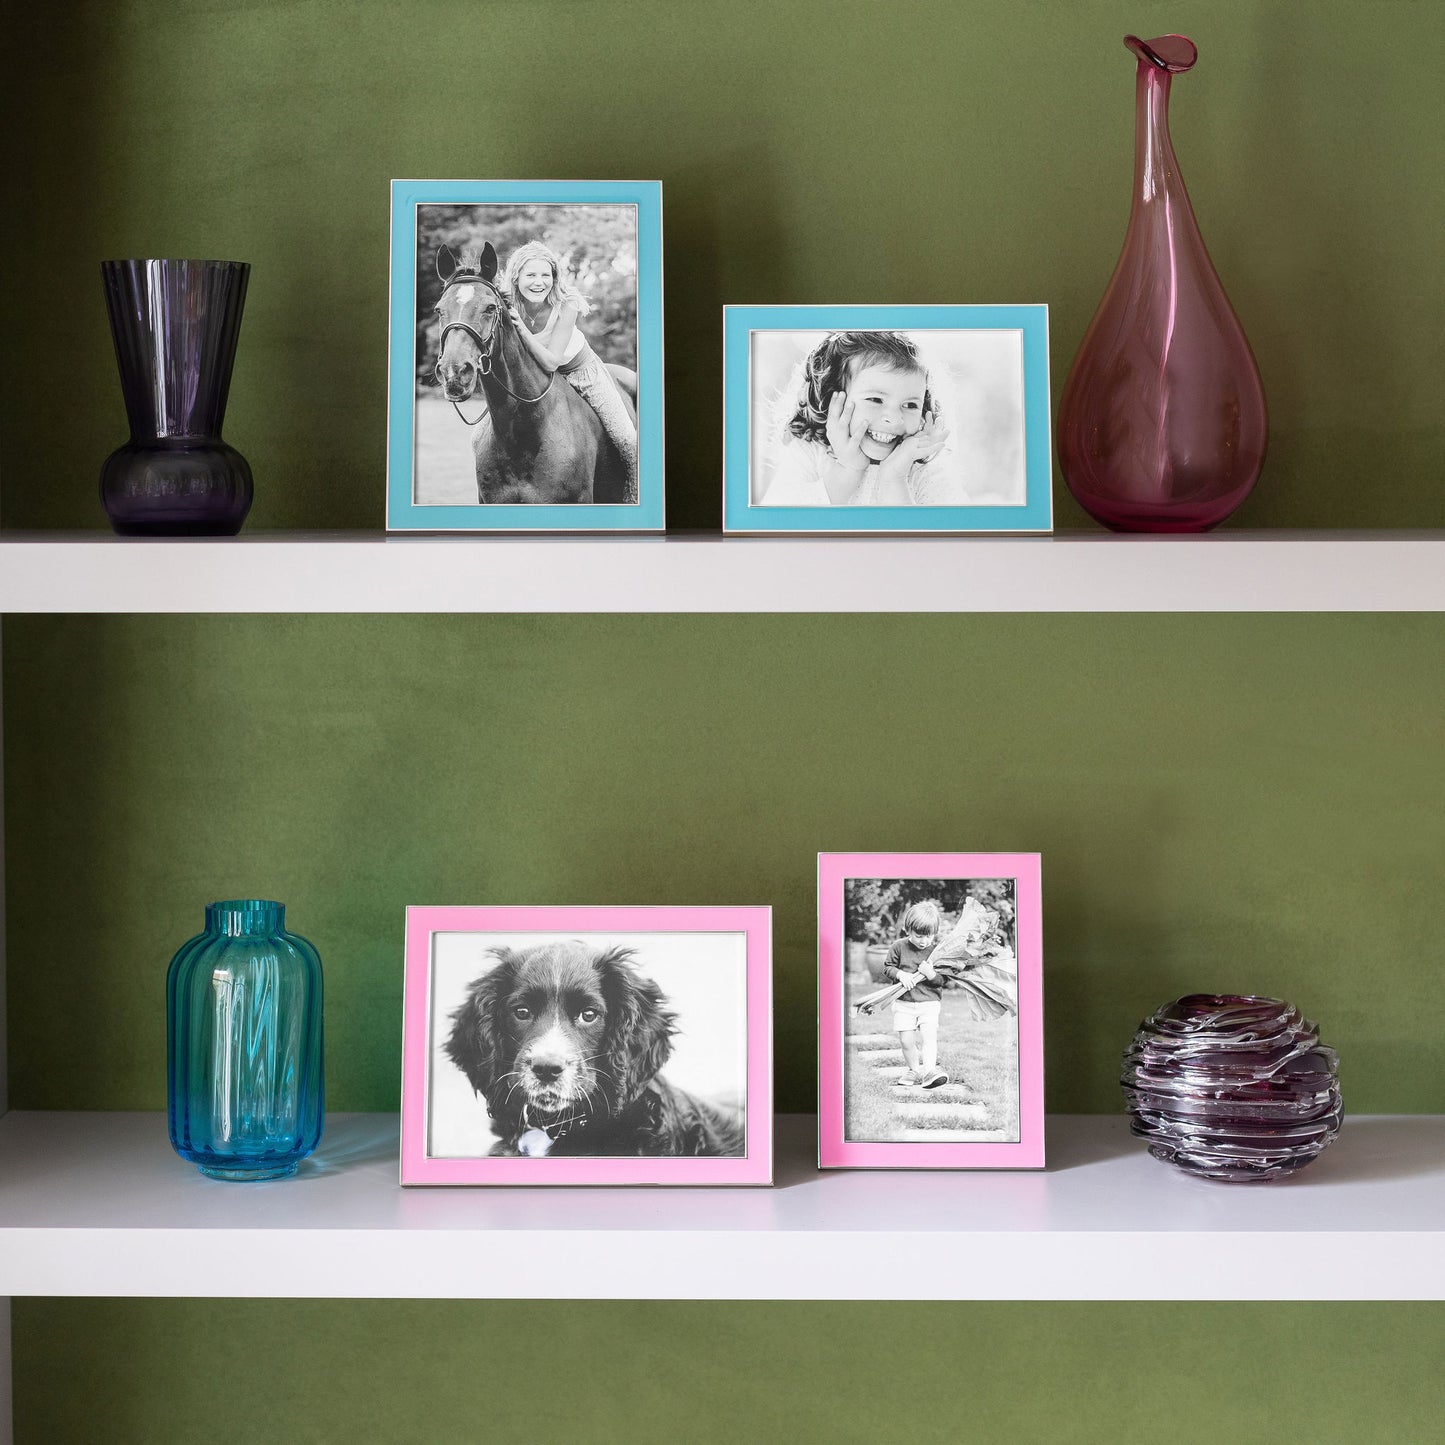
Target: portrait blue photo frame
[
  {"x": 784, "y": 365},
  {"x": 428, "y": 485}
]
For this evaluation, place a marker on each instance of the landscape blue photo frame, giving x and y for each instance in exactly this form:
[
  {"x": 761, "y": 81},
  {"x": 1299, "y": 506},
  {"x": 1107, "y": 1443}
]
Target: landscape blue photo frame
[
  {"x": 972, "y": 455},
  {"x": 529, "y": 472}
]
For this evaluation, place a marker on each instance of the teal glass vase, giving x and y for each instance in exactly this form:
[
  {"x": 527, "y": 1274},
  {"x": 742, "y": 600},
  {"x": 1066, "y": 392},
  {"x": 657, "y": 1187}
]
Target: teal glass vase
[{"x": 244, "y": 1044}]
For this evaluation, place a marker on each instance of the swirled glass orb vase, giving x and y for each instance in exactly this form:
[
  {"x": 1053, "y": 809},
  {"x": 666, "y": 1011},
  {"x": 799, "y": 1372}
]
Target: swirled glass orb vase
[
  {"x": 175, "y": 325},
  {"x": 1233, "y": 1088},
  {"x": 1162, "y": 424},
  {"x": 244, "y": 1042}
]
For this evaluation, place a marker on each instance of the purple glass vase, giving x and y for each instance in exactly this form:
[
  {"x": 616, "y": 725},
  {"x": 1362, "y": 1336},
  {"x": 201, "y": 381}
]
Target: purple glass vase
[
  {"x": 175, "y": 325},
  {"x": 1230, "y": 1087},
  {"x": 1162, "y": 425}
]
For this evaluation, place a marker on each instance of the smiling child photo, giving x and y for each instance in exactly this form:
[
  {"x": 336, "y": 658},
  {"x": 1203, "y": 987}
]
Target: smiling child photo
[{"x": 887, "y": 418}]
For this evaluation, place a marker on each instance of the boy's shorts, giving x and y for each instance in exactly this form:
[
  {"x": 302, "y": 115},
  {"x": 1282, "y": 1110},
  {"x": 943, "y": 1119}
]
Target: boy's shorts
[{"x": 909, "y": 1016}]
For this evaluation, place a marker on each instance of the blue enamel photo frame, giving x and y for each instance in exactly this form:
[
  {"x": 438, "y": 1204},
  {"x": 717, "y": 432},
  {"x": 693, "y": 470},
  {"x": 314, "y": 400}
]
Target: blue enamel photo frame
[
  {"x": 760, "y": 418},
  {"x": 408, "y": 506}
]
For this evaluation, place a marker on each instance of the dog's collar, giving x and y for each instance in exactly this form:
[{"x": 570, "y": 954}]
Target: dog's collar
[{"x": 536, "y": 1140}]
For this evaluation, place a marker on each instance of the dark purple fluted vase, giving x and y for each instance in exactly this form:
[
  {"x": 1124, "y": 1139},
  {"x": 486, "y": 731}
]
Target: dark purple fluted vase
[{"x": 175, "y": 325}]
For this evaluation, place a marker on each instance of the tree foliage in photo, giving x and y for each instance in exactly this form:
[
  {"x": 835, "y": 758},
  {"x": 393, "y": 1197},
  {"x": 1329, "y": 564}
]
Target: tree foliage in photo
[{"x": 873, "y": 908}]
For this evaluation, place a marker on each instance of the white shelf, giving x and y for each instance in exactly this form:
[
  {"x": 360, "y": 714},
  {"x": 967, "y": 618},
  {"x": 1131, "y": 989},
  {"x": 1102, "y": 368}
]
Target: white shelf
[
  {"x": 362, "y": 572},
  {"x": 97, "y": 1204}
]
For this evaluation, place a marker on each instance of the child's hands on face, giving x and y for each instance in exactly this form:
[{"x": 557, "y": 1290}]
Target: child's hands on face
[
  {"x": 846, "y": 429},
  {"x": 922, "y": 446}
]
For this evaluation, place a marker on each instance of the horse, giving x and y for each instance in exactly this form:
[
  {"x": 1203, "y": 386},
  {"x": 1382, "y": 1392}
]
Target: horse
[{"x": 539, "y": 441}]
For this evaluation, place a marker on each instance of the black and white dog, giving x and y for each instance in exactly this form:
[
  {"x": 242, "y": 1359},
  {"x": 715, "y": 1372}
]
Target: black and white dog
[{"x": 565, "y": 1042}]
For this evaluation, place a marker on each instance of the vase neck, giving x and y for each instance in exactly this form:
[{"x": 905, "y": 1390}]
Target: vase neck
[
  {"x": 1156, "y": 172},
  {"x": 175, "y": 325},
  {"x": 245, "y": 917}
]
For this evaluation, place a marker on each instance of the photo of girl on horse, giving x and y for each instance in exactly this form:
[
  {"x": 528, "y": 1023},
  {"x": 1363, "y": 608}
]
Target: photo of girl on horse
[{"x": 526, "y": 383}]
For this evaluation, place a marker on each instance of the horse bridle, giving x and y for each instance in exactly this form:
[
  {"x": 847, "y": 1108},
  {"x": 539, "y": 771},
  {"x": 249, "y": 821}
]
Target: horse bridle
[{"x": 486, "y": 345}]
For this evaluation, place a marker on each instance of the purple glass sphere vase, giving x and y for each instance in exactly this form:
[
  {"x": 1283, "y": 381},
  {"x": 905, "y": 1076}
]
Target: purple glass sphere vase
[
  {"x": 1232, "y": 1087},
  {"x": 175, "y": 325},
  {"x": 1162, "y": 423}
]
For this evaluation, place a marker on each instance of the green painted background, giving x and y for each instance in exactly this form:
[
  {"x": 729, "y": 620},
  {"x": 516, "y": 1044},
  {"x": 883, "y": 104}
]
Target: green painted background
[
  {"x": 670, "y": 1374},
  {"x": 1228, "y": 802},
  {"x": 1231, "y": 801},
  {"x": 852, "y": 150}
]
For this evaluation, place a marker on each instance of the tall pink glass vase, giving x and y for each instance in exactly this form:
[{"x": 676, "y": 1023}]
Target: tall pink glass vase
[{"x": 1162, "y": 426}]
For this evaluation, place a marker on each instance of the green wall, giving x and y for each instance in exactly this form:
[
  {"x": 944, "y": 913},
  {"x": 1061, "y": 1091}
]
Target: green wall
[
  {"x": 1230, "y": 801},
  {"x": 1225, "y": 802},
  {"x": 664, "y": 1374},
  {"x": 919, "y": 150}
]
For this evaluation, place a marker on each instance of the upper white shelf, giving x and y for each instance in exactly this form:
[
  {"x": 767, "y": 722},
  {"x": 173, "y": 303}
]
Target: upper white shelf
[
  {"x": 365, "y": 572},
  {"x": 97, "y": 1204}
]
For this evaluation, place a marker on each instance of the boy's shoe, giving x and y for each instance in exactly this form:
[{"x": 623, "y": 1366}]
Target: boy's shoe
[
  {"x": 907, "y": 1080},
  {"x": 932, "y": 1078}
]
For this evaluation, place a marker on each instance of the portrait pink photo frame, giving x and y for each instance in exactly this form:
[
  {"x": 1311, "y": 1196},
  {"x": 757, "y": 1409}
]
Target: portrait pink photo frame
[
  {"x": 930, "y": 1011},
  {"x": 587, "y": 1046}
]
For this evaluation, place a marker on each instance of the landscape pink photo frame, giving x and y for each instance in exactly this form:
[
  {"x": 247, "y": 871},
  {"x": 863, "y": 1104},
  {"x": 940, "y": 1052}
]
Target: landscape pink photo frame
[
  {"x": 978, "y": 1021},
  {"x": 587, "y": 1046}
]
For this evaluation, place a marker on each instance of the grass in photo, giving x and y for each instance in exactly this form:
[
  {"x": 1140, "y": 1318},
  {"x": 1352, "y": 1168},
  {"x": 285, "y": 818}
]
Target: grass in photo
[{"x": 980, "y": 1101}]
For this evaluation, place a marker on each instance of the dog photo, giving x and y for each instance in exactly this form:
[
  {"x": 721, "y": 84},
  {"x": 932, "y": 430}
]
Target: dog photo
[
  {"x": 886, "y": 418},
  {"x": 595, "y": 1051},
  {"x": 929, "y": 1031},
  {"x": 531, "y": 399}
]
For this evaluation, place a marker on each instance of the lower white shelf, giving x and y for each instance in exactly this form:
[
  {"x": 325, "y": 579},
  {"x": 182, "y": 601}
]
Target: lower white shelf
[{"x": 97, "y": 1204}]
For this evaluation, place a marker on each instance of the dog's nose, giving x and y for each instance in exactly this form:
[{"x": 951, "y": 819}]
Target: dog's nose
[{"x": 549, "y": 1070}]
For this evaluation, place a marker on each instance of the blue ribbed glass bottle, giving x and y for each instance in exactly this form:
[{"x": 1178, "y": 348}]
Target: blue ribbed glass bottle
[{"x": 243, "y": 1037}]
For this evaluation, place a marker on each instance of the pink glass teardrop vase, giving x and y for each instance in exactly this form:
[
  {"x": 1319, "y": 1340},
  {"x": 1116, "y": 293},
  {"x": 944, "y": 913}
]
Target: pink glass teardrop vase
[{"x": 1162, "y": 425}]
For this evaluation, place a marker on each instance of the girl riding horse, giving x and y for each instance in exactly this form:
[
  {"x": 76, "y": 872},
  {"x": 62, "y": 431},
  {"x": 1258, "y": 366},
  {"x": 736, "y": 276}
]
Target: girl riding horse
[{"x": 536, "y": 443}]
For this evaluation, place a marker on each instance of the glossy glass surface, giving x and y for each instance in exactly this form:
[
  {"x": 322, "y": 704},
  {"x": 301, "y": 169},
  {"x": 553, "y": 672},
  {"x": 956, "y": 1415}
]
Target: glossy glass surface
[
  {"x": 175, "y": 325},
  {"x": 1162, "y": 425},
  {"x": 1233, "y": 1088},
  {"x": 244, "y": 1044}
]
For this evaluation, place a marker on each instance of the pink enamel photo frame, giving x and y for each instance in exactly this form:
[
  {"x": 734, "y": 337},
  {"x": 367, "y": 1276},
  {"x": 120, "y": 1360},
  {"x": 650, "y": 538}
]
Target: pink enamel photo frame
[
  {"x": 710, "y": 968},
  {"x": 974, "y": 1127}
]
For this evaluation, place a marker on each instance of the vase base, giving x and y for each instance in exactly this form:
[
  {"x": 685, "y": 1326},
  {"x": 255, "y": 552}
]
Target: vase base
[
  {"x": 176, "y": 487},
  {"x": 1256, "y": 1172},
  {"x": 1158, "y": 520},
  {"x": 1160, "y": 529},
  {"x": 183, "y": 528},
  {"x": 269, "y": 1171}
]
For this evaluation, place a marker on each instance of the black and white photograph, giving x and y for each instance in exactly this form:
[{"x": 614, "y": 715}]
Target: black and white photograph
[
  {"x": 526, "y": 355},
  {"x": 931, "y": 1017},
  {"x": 549, "y": 1045},
  {"x": 887, "y": 418}
]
